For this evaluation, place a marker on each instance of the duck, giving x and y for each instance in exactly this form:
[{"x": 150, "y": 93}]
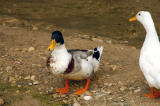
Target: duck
[
  {"x": 149, "y": 60},
  {"x": 72, "y": 64}
]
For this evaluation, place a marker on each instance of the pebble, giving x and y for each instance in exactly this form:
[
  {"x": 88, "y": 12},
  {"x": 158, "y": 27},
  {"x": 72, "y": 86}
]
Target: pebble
[
  {"x": 109, "y": 42},
  {"x": 55, "y": 96},
  {"x": 27, "y": 77},
  {"x": 76, "y": 102},
  {"x": 1, "y": 102},
  {"x": 19, "y": 86},
  {"x": 97, "y": 40},
  {"x": 34, "y": 27},
  {"x": 17, "y": 91},
  {"x": 123, "y": 88},
  {"x": 87, "y": 97},
  {"x": 35, "y": 82},
  {"x": 8, "y": 68},
  {"x": 33, "y": 78},
  {"x": 11, "y": 79},
  {"x": 137, "y": 90},
  {"x": 31, "y": 49},
  {"x": 110, "y": 84},
  {"x": 113, "y": 67},
  {"x": 28, "y": 91},
  {"x": 30, "y": 83}
]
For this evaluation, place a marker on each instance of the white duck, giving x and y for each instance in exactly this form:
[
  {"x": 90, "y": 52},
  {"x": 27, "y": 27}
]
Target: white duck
[
  {"x": 149, "y": 60},
  {"x": 73, "y": 64}
]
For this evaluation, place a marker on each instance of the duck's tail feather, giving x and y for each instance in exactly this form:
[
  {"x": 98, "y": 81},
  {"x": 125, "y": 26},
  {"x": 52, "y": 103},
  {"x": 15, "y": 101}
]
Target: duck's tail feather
[{"x": 97, "y": 52}]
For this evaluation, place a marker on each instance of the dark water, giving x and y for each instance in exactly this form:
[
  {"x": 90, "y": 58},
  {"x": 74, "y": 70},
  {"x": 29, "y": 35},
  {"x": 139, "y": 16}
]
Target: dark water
[{"x": 107, "y": 18}]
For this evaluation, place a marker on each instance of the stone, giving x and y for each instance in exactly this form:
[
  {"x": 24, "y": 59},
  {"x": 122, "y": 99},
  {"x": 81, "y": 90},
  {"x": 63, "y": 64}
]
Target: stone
[
  {"x": 137, "y": 90},
  {"x": 56, "y": 96},
  {"x": 123, "y": 88},
  {"x": 30, "y": 49},
  {"x": 35, "y": 82},
  {"x": 75, "y": 102},
  {"x": 17, "y": 91},
  {"x": 30, "y": 83},
  {"x": 28, "y": 91},
  {"x": 19, "y": 86},
  {"x": 113, "y": 67},
  {"x": 34, "y": 27},
  {"x": 87, "y": 98},
  {"x": 1, "y": 102},
  {"x": 96, "y": 39},
  {"x": 33, "y": 78},
  {"x": 11, "y": 79},
  {"x": 8, "y": 68},
  {"x": 27, "y": 77}
]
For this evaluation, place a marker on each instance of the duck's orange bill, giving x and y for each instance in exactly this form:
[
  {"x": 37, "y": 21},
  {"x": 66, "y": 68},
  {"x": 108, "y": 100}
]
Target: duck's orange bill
[
  {"x": 52, "y": 45},
  {"x": 133, "y": 19}
]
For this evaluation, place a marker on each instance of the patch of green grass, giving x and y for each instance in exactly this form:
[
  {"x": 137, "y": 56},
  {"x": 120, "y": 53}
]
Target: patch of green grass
[
  {"x": 47, "y": 99},
  {"x": 8, "y": 92}
]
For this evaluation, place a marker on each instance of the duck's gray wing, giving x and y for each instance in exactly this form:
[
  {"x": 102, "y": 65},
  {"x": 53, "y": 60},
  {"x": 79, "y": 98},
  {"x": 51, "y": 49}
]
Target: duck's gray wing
[{"x": 80, "y": 54}]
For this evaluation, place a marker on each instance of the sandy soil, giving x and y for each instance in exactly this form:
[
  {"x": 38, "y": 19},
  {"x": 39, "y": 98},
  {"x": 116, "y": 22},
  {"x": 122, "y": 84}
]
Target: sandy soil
[{"x": 26, "y": 81}]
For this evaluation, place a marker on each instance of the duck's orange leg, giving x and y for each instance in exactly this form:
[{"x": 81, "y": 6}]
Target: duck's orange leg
[
  {"x": 65, "y": 89},
  {"x": 83, "y": 90},
  {"x": 153, "y": 94}
]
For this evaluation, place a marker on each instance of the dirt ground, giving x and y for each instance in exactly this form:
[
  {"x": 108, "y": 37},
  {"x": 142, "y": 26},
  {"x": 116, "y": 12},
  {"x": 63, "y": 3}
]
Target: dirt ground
[{"x": 25, "y": 80}]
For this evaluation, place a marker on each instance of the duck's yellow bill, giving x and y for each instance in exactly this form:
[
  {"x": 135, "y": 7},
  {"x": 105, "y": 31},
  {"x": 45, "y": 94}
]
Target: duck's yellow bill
[
  {"x": 52, "y": 45},
  {"x": 133, "y": 19}
]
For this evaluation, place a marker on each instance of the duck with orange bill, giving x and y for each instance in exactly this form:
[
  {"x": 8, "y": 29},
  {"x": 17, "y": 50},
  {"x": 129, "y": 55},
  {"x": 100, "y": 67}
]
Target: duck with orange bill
[
  {"x": 73, "y": 64},
  {"x": 149, "y": 60}
]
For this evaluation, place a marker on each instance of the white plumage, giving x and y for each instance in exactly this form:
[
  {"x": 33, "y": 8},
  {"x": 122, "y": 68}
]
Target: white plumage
[{"x": 149, "y": 60}]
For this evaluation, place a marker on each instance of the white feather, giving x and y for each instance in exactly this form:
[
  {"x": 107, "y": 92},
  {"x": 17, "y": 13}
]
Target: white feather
[{"x": 150, "y": 53}]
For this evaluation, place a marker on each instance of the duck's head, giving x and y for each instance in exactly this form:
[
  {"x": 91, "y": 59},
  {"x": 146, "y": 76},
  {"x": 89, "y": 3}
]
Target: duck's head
[
  {"x": 56, "y": 40},
  {"x": 142, "y": 16}
]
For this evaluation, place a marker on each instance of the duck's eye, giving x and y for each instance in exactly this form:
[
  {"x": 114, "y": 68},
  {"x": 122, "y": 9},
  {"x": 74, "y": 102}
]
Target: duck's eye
[{"x": 139, "y": 14}]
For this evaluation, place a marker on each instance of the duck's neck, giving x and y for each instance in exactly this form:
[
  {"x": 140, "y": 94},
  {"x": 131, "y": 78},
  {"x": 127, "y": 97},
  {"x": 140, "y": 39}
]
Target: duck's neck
[
  {"x": 60, "y": 49},
  {"x": 151, "y": 34}
]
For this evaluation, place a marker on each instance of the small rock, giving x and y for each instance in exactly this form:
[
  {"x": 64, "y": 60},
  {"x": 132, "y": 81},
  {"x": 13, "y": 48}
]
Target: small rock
[
  {"x": 33, "y": 78},
  {"x": 120, "y": 83},
  {"x": 113, "y": 67},
  {"x": 1, "y": 102},
  {"x": 35, "y": 82},
  {"x": 34, "y": 27},
  {"x": 28, "y": 91},
  {"x": 123, "y": 88},
  {"x": 108, "y": 92},
  {"x": 110, "y": 84},
  {"x": 30, "y": 83},
  {"x": 97, "y": 40},
  {"x": 105, "y": 84},
  {"x": 31, "y": 49},
  {"x": 55, "y": 96},
  {"x": 17, "y": 91},
  {"x": 76, "y": 102},
  {"x": 87, "y": 97},
  {"x": 19, "y": 86},
  {"x": 11, "y": 79},
  {"x": 110, "y": 42},
  {"x": 8, "y": 68},
  {"x": 27, "y": 77},
  {"x": 137, "y": 90}
]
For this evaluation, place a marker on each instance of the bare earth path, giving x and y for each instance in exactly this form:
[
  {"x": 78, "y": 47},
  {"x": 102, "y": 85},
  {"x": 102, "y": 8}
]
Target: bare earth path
[{"x": 25, "y": 80}]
